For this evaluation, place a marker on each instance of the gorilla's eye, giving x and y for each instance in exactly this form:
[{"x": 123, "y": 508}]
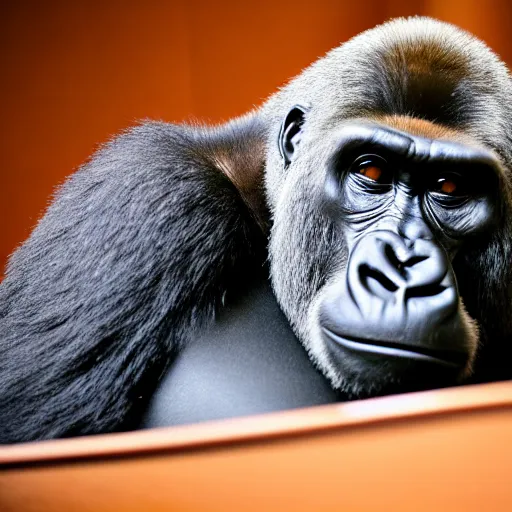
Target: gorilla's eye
[
  {"x": 450, "y": 184},
  {"x": 372, "y": 167},
  {"x": 372, "y": 172}
]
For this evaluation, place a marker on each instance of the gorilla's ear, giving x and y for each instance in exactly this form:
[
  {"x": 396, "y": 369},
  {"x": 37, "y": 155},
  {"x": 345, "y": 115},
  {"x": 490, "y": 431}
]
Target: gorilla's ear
[{"x": 290, "y": 133}]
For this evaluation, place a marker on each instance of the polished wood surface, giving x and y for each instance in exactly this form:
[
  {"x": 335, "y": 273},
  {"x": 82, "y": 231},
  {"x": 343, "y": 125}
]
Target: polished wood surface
[{"x": 437, "y": 450}]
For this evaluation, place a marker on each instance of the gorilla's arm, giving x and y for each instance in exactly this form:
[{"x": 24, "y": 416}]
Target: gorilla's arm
[{"x": 135, "y": 253}]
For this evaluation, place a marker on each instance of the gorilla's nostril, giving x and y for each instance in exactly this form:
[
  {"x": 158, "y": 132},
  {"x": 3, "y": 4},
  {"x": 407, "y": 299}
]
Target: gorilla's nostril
[
  {"x": 414, "y": 261},
  {"x": 376, "y": 282},
  {"x": 429, "y": 290}
]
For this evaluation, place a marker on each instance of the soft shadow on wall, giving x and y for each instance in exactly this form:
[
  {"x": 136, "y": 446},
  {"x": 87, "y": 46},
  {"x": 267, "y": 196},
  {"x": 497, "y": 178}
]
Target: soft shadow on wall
[{"x": 75, "y": 73}]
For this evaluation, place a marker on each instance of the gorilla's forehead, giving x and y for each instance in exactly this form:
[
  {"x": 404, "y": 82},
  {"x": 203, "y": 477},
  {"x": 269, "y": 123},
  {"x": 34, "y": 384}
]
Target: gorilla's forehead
[
  {"x": 424, "y": 128},
  {"x": 416, "y": 67}
]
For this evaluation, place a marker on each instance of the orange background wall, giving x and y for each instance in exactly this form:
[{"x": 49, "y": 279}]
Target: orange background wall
[{"x": 73, "y": 73}]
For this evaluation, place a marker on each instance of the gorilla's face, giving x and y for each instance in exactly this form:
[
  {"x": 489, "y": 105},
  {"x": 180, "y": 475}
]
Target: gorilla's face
[{"x": 371, "y": 217}]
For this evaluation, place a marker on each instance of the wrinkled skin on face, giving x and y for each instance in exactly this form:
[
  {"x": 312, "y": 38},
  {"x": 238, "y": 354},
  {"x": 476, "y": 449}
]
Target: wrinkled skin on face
[{"x": 393, "y": 211}]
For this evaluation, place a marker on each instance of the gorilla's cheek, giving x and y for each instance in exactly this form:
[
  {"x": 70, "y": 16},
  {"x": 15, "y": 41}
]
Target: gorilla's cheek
[{"x": 304, "y": 250}]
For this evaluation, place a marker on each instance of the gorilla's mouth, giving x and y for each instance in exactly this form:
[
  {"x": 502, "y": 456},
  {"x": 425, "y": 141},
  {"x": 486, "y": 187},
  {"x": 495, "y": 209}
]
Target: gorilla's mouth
[{"x": 450, "y": 358}]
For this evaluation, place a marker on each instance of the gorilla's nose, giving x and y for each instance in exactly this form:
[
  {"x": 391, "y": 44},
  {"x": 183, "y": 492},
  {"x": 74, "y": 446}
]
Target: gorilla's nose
[
  {"x": 399, "y": 301},
  {"x": 383, "y": 266}
]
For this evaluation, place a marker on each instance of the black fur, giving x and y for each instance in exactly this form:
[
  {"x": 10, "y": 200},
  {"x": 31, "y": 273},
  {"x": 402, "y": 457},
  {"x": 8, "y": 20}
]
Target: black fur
[{"x": 136, "y": 252}]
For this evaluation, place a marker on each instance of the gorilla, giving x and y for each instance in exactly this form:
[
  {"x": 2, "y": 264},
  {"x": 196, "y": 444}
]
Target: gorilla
[{"x": 373, "y": 192}]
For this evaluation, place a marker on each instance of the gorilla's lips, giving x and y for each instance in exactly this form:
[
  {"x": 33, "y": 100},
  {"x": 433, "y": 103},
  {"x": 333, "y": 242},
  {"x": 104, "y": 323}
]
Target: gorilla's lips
[{"x": 364, "y": 347}]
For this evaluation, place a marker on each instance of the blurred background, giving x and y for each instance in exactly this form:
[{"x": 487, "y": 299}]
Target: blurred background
[{"x": 73, "y": 73}]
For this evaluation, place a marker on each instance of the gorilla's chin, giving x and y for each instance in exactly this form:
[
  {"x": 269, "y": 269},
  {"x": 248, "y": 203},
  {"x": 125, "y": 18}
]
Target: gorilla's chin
[{"x": 377, "y": 367}]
